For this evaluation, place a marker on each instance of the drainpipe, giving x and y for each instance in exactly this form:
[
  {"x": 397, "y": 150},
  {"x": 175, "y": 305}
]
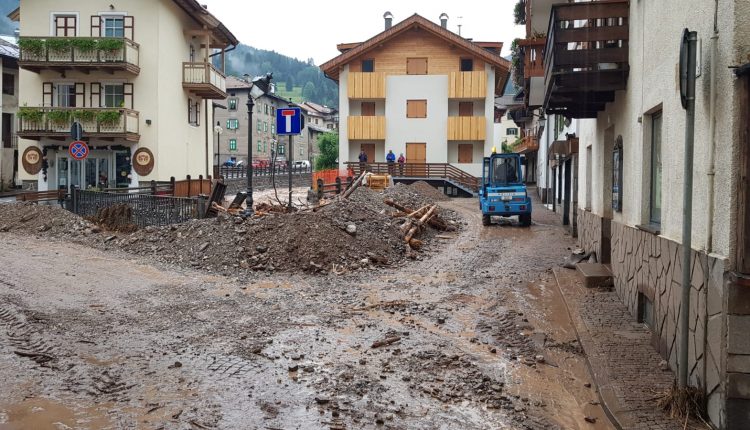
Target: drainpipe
[
  {"x": 712, "y": 132},
  {"x": 687, "y": 211}
]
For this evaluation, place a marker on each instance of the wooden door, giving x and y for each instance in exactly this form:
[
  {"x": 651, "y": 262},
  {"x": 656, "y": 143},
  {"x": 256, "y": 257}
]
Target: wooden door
[
  {"x": 65, "y": 26},
  {"x": 416, "y": 157},
  {"x": 369, "y": 149},
  {"x": 465, "y": 153},
  {"x": 466, "y": 109},
  {"x": 368, "y": 108}
]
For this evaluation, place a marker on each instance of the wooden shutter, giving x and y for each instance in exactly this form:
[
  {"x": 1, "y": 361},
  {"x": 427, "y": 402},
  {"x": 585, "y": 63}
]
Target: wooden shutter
[
  {"x": 96, "y": 26},
  {"x": 127, "y": 91},
  {"x": 95, "y": 96},
  {"x": 416, "y": 66},
  {"x": 416, "y": 108},
  {"x": 65, "y": 26},
  {"x": 465, "y": 153},
  {"x": 47, "y": 94},
  {"x": 465, "y": 109},
  {"x": 129, "y": 27},
  {"x": 80, "y": 91},
  {"x": 368, "y": 108}
]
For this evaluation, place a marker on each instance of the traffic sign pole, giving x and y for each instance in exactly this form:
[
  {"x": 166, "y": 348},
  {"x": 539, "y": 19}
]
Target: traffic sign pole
[{"x": 291, "y": 167}]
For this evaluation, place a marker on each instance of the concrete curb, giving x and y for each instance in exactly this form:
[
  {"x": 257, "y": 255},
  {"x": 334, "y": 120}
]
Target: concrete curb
[{"x": 601, "y": 382}]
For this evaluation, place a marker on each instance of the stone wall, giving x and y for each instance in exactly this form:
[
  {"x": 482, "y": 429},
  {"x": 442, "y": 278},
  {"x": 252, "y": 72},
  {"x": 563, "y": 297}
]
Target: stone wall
[
  {"x": 264, "y": 182},
  {"x": 589, "y": 232}
]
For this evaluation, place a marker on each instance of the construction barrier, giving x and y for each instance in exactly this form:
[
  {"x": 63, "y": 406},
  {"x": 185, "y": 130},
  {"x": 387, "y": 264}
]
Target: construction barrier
[{"x": 328, "y": 176}]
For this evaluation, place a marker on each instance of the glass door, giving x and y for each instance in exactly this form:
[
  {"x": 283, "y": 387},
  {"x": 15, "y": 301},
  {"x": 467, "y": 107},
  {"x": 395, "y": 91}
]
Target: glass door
[
  {"x": 69, "y": 172},
  {"x": 97, "y": 171}
]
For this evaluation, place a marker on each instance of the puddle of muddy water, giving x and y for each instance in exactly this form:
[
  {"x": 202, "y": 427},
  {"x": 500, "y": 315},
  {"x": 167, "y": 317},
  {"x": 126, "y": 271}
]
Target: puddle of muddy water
[{"x": 40, "y": 413}]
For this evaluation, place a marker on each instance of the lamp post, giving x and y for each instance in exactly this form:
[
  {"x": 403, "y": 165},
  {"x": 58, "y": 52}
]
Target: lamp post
[
  {"x": 260, "y": 86},
  {"x": 218, "y": 130}
]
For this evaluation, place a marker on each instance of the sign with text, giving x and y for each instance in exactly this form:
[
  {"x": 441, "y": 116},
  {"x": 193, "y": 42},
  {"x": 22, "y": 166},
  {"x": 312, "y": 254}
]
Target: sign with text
[{"x": 289, "y": 121}]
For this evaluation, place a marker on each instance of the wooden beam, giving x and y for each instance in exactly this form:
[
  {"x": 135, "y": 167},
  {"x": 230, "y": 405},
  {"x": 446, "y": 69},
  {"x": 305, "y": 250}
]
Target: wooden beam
[
  {"x": 589, "y": 57},
  {"x": 743, "y": 203},
  {"x": 591, "y": 34},
  {"x": 591, "y": 10}
]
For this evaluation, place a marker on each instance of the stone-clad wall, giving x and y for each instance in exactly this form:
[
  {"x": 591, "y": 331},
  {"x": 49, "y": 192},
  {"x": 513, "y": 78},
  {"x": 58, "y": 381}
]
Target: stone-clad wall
[{"x": 649, "y": 264}]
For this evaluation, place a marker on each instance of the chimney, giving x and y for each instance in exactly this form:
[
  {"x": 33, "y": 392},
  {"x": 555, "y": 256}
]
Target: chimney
[
  {"x": 444, "y": 20},
  {"x": 388, "y": 20}
]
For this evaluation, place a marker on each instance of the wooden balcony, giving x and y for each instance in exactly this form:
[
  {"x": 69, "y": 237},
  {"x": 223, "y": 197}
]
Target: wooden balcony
[
  {"x": 204, "y": 80},
  {"x": 366, "y": 128},
  {"x": 586, "y": 56},
  {"x": 363, "y": 85},
  {"x": 467, "y": 128},
  {"x": 79, "y": 53},
  {"x": 528, "y": 144},
  {"x": 55, "y": 123},
  {"x": 533, "y": 57},
  {"x": 467, "y": 85}
]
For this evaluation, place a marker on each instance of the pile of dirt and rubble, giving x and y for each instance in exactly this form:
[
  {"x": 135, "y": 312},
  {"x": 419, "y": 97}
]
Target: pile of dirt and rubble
[{"x": 344, "y": 234}]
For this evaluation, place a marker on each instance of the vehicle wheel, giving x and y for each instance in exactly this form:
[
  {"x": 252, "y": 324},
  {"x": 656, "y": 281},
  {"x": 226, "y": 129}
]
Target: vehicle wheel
[
  {"x": 525, "y": 220},
  {"x": 486, "y": 220}
]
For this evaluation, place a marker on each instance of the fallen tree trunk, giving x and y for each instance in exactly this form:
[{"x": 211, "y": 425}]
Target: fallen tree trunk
[
  {"x": 435, "y": 222},
  {"x": 420, "y": 223},
  {"x": 354, "y": 186}
]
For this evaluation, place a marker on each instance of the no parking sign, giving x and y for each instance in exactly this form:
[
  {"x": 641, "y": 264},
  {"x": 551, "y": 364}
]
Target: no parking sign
[{"x": 78, "y": 150}]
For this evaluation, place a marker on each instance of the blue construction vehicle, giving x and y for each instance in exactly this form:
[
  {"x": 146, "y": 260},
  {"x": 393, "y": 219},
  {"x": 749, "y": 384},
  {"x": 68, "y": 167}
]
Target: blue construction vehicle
[{"x": 503, "y": 192}]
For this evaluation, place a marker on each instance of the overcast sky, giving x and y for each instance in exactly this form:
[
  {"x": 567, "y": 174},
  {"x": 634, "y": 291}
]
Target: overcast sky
[{"x": 305, "y": 29}]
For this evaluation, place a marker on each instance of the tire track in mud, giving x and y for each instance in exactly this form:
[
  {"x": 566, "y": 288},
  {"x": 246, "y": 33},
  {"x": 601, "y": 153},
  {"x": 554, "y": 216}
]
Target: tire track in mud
[{"x": 25, "y": 340}]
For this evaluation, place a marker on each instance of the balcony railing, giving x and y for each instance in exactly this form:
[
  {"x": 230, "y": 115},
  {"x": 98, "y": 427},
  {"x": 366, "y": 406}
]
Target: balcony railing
[
  {"x": 364, "y": 85},
  {"x": 366, "y": 128},
  {"x": 533, "y": 57},
  {"x": 56, "y": 122},
  {"x": 204, "y": 80},
  {"x": 82, "y": 53},
  {"x": 467, "y": 127},
  {"x": 586, "y": 56},
  {"x": 527, "y": 144},
  {"x": 467, "y": 85}
]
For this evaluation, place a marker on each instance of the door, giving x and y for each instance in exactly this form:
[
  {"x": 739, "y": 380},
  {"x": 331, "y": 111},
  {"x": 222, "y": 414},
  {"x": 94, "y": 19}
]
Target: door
[
  {"x": 368, "y": 108},
  {"x": 466, "y": 109},
  {"x": 369, "y": 149},
  {"x": 65, "y": 25},
  {"x": 465, "y": 153},
  {"x": 416, "y": 157}
]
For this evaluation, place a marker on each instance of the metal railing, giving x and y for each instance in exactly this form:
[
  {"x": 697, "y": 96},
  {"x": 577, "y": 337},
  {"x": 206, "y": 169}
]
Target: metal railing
[
  {"x": 146, "y": 209},
  {"x": 84, "y": 51},
  {"x": 418, "y": 170},
  {"x": 53, "y": 121},
  {"x": 228, "y": 172}
]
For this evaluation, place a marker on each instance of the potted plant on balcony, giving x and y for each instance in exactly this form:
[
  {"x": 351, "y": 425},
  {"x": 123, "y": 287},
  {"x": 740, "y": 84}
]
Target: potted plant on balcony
[
  {"x": 84, "y": 116},
  {"x": 59, "y": 119},
  {"x": 31, "y": 118},
  {"x": 58, "y": 49},
  {"x": 516, "y": 62},
  {"x": 31, "y": 49},
  {"x": 84, "y": 49},
  {"x": 110, "y": 49},
  {"x": 108, "y": 118}
]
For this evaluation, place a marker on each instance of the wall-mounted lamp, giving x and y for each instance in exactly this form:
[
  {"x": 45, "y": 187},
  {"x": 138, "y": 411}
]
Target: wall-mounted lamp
[{"x": 148, "y": 122}]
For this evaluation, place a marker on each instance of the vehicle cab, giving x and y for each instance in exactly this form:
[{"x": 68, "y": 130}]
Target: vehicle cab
[{"x": 503, "y": 192}]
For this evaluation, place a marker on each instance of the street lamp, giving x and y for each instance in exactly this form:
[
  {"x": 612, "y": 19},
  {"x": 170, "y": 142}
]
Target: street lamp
[
  {"x": 260, "y": 86},
  {"x": 218, "y": 130}
]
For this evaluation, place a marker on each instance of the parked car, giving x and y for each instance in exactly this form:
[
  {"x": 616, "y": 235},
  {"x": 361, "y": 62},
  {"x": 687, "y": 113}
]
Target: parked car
[{"x": 301, "y": 164}]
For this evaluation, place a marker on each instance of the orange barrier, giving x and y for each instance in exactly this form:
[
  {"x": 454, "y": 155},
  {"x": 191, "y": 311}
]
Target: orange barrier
[{"x": 328, "y": 177}]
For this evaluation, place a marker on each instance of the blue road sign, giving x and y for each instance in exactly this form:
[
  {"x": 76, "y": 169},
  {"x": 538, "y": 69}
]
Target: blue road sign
[
  {"x": 78, "y": 150},
  {"x": 289, "y": 121}
]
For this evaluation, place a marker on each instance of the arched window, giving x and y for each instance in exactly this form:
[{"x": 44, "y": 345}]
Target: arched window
[{"x": 617, "y": 184}]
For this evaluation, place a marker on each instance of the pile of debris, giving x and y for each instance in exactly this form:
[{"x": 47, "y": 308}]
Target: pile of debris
[{"x": 358, "y": 230}]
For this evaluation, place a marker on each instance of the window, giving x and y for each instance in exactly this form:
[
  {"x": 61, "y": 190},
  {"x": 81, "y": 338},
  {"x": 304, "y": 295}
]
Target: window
[
  {"x": 368, "y": 66},
  {"x": 265, "y": 108},
  {"x": 655, "y": 194},
  {"x": 617, "y": 175},
  {"x": 645, "y": 310},
  {"x": 114, "y": 26},
  {"x": 273, "y": 127},
  {"x": 65, "y": 25},
  {"x": 301, "y": 151},
  {"x": 66, "y": 95},
  {"x": 467, "y": 64},
  {"x": 273, "y": 111},
  {"x": 260, "y": 146},
  {"x": 194, "y": 112},
  {"x": 9, "y": 84},
  {"x": 114, "y": 95},
  {"x": 416, "y": 108},
  {"x": 232, "y": 104},
  {"x": 259, "y": 125},
  {"x": 281, "y": 149},
  {"x": 513, "y": 131},
  {"x": 465, "y": 109},
  {"x": 368, "y": 108},
  {"x": 416, "y": 66},
  {"x": 265, "y": 126},
  {"x": 233, "y": 124},
  {"x": 232, "y": 144}
]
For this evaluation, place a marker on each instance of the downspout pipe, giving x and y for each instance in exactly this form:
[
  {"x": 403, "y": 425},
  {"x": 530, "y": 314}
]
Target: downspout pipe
[
  {"x": 712, "y": 133},
  {"x": 687, "y": 211}
]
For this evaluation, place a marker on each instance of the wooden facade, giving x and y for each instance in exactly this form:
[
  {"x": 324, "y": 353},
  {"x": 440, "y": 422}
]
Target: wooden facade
[
  {"x": 364, "y": 85},
  {"x": 366, "y": 128},
  {"x": 467, "y": 85},
  {"x": 467, "y": 128}
]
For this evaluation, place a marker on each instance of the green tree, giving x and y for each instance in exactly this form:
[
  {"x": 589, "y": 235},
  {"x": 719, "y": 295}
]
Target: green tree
[
  {"x": 328, "y": 143},
  {"x": 519, "y": 13},
  {"x": 308, "y": 91},
  {"x": 289, "y": 84}
]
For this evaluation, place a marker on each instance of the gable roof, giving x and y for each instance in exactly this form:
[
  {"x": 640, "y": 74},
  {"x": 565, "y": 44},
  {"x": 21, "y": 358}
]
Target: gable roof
[{"x": 351, "y": 51}]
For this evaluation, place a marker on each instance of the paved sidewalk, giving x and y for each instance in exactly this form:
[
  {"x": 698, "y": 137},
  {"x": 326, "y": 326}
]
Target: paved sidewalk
[{"x": 622, "y": 361}]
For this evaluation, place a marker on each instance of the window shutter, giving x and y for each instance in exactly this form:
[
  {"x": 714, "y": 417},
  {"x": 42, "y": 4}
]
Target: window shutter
[
  {"x": 47, "y": 91},
  {"x": 95, "y": 96},
  {"x": 127, "y": 91},
  {"x": 80, "y": 89},
  {"x": 96, "y": 26},
  {"x": 129, "y": 27}
]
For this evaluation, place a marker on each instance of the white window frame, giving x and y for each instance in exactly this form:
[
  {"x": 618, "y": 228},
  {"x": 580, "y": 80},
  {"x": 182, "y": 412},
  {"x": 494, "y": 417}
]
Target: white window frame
[
  {"x": 56, "y": 94},
  {"x": 103, "y": 94},
  {"x": 105, "y": 15}
]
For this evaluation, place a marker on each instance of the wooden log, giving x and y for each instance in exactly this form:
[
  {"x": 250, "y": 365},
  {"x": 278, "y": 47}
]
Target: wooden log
[
  {"x": 384, "y": 342},
  {"x": 435, "y": 222},
  {"x": 354, "y": 186},
  {"x": 420, "y": 223}
]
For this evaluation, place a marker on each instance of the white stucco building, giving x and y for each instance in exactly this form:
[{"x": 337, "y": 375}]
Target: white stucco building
[
  {"x": 421, "y": 90},
  {"x": 139, "y": 78}
]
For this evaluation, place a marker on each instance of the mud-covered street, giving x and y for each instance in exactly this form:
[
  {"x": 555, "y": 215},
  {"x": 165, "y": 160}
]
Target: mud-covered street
[{"x": 472, "y": 335}]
